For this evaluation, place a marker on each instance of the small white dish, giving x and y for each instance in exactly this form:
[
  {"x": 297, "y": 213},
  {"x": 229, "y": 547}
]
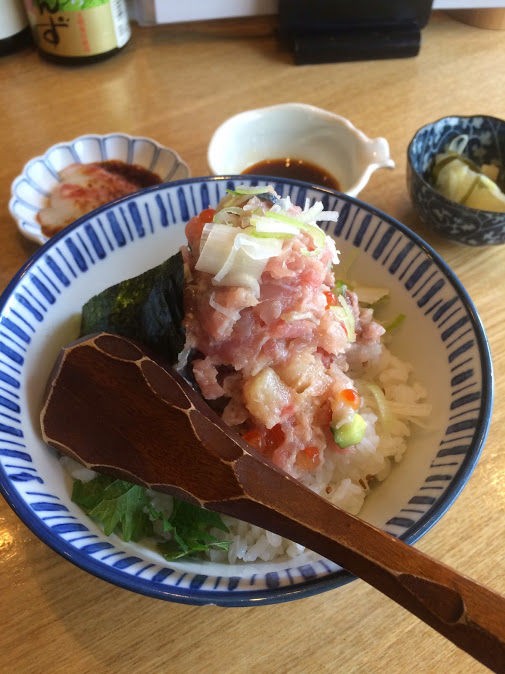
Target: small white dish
[
  {"x": 31, "y": 189},
  {"x": 303, "y": 132}
]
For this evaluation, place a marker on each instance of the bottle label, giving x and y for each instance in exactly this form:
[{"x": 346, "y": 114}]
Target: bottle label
[{"x": 78, "y": 27}]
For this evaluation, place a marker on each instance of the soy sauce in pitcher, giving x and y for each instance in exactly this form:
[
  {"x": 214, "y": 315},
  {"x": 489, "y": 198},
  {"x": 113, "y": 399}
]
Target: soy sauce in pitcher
[{"x": 298, "y": 169}]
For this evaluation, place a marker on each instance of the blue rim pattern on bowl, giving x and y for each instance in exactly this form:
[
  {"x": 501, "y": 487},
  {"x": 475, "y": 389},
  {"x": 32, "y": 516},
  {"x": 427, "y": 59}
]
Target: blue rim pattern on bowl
[
  {"x": 32, "y": 187},
  {"x": 29, "y": 302},
  {"x": 486, "y": 144}
]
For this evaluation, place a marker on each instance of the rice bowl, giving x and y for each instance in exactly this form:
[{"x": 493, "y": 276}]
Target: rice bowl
[
  {"x": 300, "y": 365},
  {"x": 111, "y": 244},
  {"x": 254, "y": 312}
]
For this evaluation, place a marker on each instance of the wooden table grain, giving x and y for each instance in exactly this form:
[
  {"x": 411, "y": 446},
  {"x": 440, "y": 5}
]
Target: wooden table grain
[{"x": 177, "y": 83}]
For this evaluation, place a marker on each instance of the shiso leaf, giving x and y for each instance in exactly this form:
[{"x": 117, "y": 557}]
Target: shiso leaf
[
  {"x": 119, "y": 506},
  {"x": 126, "y": 510},
  {"x": 147, "y": 308},
  {"x": 190, "y": 529}
]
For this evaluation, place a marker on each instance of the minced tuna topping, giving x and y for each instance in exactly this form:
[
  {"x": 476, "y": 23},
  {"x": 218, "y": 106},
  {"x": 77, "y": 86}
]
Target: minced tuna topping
[{"x": 285, "y": 350}]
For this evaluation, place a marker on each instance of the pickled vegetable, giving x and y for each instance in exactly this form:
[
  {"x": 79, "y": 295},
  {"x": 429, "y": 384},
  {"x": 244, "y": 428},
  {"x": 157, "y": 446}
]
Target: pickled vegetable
[{"x": 461, "y": 180}]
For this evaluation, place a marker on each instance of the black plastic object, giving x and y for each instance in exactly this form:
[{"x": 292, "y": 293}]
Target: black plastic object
[{"x": 323, "y": 31}]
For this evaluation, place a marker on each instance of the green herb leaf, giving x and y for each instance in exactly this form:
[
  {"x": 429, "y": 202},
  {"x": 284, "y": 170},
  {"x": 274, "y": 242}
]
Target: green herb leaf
[
  {"x": 88, "y": 494},
  {"x": 125, "y": 509},
  {"x": 190, "y": 527},
  {"x": 119, "y": 506},
  {"x": 340, "y": 287}
]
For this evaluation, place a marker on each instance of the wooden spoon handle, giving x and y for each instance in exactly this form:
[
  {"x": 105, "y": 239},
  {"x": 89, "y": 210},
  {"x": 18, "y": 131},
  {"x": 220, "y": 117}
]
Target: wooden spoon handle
[
  {"x": 464, "y": 611},
  {"x": 118, "y": 411}
]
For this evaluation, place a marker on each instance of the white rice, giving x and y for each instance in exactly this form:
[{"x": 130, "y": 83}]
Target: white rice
[
  {"x": 344, "y": 478},
  {"x": 353, "y": 473}
]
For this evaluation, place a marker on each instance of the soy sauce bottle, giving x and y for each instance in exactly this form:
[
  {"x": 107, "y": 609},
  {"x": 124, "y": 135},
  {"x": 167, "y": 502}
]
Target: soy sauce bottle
[
  {"x": 78, "y": 31},
  {"x": 14, "y": 29}
]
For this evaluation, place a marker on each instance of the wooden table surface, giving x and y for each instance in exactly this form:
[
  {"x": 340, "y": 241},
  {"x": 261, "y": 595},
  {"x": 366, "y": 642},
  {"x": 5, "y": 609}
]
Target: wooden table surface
[{"x": 177, "y": 84}]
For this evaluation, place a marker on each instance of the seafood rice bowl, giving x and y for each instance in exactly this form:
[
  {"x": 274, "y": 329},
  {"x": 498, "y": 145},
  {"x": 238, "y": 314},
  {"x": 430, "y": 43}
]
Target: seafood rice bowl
[
  {"x": 282, "y": 346},
  {"x": 301, "y": 365},
  {"x": 385, "y": 280}
]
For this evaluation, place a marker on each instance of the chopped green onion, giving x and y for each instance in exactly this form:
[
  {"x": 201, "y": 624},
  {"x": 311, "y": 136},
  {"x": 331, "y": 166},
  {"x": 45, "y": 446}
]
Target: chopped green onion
[
  {"x": 274, "y": 222},
  {"x": 268, "y": 234},
  {"x": 344, "y": 313},
  {"x": 253, "y": 191},
  {"x": 268, "y": 225},
  {"x": 215, "y": 245},
  {"x": 283, "y": 217},
  {"x": 395, "y": 323},
  {"x": 233, "y": 257},
  {"x": 382, "y": 404},
  {"x": 236, "y": 246},
  {"x": 340, "y": 287}
]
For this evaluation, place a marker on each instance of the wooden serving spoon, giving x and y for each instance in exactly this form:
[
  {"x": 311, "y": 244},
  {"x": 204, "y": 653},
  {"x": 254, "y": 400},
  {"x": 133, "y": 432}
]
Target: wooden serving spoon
[{"x": 118, "y": 411}]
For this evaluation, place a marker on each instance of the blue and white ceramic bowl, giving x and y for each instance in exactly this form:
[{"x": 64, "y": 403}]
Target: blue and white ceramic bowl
[
  {"x": 39, "y": 312},
  {"x": 486, "y": 145},
  {"x": 31, "y": 189}
]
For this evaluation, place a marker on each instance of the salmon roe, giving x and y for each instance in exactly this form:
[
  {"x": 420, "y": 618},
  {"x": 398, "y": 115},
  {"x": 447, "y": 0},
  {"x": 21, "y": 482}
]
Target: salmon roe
[
  {"x": 308, "y": 458},
  {"x": 350, "y": 397}
]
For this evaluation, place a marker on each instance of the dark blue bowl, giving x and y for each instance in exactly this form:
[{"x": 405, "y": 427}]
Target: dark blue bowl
[{"x": 449, "y": 219}]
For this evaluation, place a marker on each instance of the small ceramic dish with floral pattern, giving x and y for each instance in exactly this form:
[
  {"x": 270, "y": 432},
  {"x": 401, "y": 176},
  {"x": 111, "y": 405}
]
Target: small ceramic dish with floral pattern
[{"x": 73, "y": 178}]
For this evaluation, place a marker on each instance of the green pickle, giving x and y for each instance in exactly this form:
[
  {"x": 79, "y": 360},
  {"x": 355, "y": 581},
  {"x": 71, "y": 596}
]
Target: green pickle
[{"x": 351, "y": 432}]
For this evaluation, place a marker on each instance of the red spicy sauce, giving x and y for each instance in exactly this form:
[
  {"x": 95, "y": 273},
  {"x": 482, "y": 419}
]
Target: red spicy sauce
[{"x": 299, "y": 169}]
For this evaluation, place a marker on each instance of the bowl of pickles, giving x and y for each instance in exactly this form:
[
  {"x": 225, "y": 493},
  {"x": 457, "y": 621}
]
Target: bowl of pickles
[{"x": 456, "y": 178}]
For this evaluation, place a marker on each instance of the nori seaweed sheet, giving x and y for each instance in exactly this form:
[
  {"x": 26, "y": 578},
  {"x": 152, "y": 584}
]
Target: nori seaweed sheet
[{"x": 147, "y": 308}]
